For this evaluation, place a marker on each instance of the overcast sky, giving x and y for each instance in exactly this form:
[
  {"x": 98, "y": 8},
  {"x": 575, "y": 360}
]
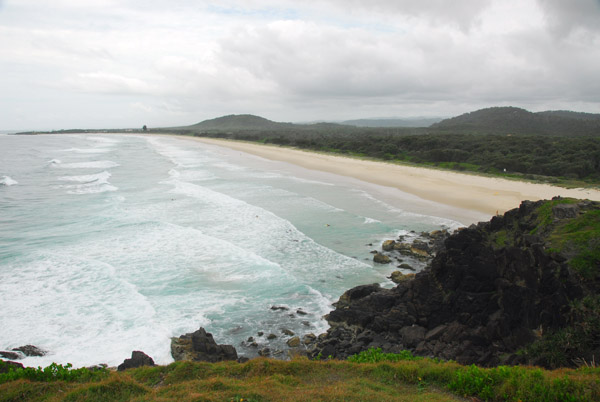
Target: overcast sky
[{"x": 125, "y": 63}]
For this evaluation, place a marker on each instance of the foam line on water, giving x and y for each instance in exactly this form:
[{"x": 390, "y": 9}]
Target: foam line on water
[
  {"x": 448, "y": 223},
  {"x": 184, "y": 158},
  {"x": 89, "y": 165},
  {"x": 292, "y": 199},
  {"x": 101, "y": 177},
  {"x": 87, "y": 150}
]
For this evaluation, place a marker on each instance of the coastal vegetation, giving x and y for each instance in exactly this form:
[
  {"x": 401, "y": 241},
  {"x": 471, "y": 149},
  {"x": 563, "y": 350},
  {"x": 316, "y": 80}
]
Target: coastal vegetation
[
  {"x": 371, "y": 375},
  {"x": 556, "y": 146},
  {"x": 560, "y": 147}
]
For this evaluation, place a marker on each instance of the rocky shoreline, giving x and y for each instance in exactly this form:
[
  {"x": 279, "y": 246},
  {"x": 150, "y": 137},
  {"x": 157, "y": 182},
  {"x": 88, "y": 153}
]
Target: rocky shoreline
[{"x": 488, "y": 292}]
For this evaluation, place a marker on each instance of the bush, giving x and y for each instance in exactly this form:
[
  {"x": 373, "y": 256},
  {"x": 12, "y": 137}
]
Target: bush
[{"x": 54, "y": 372}]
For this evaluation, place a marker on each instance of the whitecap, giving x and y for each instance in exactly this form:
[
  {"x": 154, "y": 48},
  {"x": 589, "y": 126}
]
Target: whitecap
[
  {"x": 8, "y": 181},
  {"x": 99, "y": 178},
  {"x": 87, "y": 150},
  {"x": 371, "y": 220},
  {"x": 88, "y": 184},
  {"x": 90, "y": 165}
]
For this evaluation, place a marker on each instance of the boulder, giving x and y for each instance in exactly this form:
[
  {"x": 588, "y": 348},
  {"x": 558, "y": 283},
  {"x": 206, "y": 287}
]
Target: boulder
[
  {"x": 381, "y": 259},
  {"x": 293, "y": 342},
  {"x": 398, "y": 277},
  {"x": 406, "y": 266},
  {"x": 10, "y": 355},
  {"x": 309, "y": 338},
  {"x": 287, "y": 332},
  {"x": 138, "y": 359},
  {"x": 30, "y": 350},
  {"x": 200, "y": 346},
  {"x": 388, "y": 245},
  {"x": 413, "y": 335}
]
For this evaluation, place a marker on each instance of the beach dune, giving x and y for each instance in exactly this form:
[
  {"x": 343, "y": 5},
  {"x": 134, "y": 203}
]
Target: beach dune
[{"x": 488, "y": 195}]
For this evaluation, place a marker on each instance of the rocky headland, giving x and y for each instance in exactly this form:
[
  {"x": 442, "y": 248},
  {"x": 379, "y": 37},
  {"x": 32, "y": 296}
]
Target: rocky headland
[{"x": 521, "y": 288}]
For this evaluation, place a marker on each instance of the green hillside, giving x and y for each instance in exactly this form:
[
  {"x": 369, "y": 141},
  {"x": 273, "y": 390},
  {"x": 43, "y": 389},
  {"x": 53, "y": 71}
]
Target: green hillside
[
  {"x": 516, "y": 121},
  {"x": 239, "y": 122}
]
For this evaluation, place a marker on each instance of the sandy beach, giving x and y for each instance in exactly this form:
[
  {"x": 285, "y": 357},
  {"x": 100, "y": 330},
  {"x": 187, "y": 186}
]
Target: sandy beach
[{"x": 487, "y": 195}]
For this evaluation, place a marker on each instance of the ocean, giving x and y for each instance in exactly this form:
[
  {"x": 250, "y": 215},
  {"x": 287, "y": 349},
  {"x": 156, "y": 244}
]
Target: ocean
[{"x": 113, "y": 243}]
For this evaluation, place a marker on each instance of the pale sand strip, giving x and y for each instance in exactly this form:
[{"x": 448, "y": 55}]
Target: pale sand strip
[{"x": 480, "y": 193}]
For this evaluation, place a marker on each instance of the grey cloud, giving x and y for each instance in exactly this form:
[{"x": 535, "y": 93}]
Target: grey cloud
[{"x": 566, "y": 16}]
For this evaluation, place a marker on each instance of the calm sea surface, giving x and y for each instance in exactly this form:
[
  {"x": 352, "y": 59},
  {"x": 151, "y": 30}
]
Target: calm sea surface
[{"x": 114, "y": 243}]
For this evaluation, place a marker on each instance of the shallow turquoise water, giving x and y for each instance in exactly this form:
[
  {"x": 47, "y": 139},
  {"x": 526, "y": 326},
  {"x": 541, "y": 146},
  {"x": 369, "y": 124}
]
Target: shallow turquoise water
[{"x": 114, "y": 243}]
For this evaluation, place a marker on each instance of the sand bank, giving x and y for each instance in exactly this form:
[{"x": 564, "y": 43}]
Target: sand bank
[{"x": 487, "y": 195}]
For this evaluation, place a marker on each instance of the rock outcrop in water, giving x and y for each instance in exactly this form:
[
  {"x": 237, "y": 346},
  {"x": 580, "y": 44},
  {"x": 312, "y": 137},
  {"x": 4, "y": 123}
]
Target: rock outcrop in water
[
  {"x": 22, "y": 351},
  {"x": 522, "y": 281},
  {"x": 200, "y": 346}
]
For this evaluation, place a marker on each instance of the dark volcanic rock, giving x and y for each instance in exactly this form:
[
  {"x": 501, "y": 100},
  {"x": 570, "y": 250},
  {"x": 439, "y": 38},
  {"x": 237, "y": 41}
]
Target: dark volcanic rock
[
  {"x": 138, "y": 359},
  {"x": 30, "y": 350},
  {"x": 10, "y": 355},
  {"x": 200, "y": 346},
  {"x": 491, "y": 290}
]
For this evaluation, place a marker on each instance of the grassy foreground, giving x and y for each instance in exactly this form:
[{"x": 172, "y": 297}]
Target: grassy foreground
[{"x": 370, "y": 376}]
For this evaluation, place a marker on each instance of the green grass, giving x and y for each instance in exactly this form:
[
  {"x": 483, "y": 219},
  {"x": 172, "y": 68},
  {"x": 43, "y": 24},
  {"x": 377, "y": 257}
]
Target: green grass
[
  {"x": 370, "y": 375},
  {"x": 545, "y": 215},
  {"x": 581, "y": 238}
]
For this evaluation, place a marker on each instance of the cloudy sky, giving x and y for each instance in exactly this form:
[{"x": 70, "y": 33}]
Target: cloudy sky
[{"x": 125, "y": 63}]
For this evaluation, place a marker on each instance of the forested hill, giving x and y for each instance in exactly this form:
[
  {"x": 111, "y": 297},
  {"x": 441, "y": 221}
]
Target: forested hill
[
  {"x": 516, "y": 121},
  {"x": 240, "y": 122}
]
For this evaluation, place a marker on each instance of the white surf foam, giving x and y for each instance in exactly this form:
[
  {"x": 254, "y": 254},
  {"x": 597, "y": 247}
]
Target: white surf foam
[
  {"x": 87, "y": 150},
  {"x": 88, "y": 184},
  {"x": 446, "y": 223},
  {"x": 7, "y": 181},
  {"x": 101, "y": 177},
  {"x": 90, "y": 165}
]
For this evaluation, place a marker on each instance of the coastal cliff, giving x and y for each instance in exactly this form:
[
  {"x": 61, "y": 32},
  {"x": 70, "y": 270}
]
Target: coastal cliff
[{"x": 521, "y": 288}]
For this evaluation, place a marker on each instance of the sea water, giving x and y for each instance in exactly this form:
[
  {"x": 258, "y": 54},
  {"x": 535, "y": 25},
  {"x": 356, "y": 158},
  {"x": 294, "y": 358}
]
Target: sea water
[{"x": 113, "y": 243}]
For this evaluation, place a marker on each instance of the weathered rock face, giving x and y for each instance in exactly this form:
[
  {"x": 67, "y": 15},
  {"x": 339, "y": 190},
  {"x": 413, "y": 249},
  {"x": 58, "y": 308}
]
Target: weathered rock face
[
  {"x": 138, "y": 359},
  {"x": 200, "y": 346},
  {"x": 492, "y": 289}
]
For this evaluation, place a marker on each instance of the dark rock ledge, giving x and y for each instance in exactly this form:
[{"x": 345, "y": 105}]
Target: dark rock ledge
[{"x": 492, "y": 289}]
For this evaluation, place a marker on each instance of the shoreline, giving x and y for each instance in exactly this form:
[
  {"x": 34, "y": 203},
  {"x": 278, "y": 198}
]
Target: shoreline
[{"x": 487, "y": 195}]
